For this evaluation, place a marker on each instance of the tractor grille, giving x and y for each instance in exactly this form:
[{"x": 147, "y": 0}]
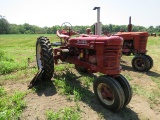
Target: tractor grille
[
  {"x": 112, "y": 55},
  {"x": 143, "y": 42}
]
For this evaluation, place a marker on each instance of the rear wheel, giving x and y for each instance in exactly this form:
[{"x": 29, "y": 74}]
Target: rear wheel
[
  {"x": 140, "y": 63},
  {"x": 44, "y": 57},
  {"x": 126, "y": 88},
  {"x": 109, "y": 93}
]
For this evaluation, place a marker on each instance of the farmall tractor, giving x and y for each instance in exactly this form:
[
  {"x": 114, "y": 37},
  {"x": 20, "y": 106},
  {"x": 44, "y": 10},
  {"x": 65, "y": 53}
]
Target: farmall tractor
[
  {"x": 96, "y": 53},
  {"x": 135, "y": 43}
]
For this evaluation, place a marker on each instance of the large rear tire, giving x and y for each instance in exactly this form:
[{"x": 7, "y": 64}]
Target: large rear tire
[
  {"x": 44, "y": 57},
  {"x": 109, "y": 93}
]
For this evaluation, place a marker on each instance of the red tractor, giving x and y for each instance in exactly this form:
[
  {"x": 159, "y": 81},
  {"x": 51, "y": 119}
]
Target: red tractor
[
  {"x": 95, "y": 53},
  {"x": 135, "y": 43}
]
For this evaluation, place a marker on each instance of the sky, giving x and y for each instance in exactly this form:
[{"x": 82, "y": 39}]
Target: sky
[{"x": 80, "y": 12}]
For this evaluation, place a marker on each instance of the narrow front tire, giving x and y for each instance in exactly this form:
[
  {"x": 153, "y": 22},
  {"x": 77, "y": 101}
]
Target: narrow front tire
[{"x": 109, "y": 93}]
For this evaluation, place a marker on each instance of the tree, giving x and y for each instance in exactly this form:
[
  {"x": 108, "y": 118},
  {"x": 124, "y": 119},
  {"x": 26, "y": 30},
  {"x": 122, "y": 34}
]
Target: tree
[
  {"x": 158, "y": 28},
  {"x": 4, "y": 25},
  {"x": 150, "y": 29},
  {"x": 14, "y": 29}
]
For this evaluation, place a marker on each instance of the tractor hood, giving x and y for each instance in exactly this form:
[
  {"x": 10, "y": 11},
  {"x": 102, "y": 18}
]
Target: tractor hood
[
  {"x": 89, "y": 41},
  {"x": 130, "y": 35}
]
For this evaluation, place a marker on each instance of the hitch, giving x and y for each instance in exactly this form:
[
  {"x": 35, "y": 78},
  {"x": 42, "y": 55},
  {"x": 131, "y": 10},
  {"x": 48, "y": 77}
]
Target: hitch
[{"x": 37, "y": 77}]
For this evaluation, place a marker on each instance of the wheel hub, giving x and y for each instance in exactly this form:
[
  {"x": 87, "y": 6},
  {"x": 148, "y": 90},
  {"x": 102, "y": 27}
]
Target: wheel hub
[
  {"x": 105, "y": 94},
  {"x": 39, "y": 57},
  {"x": 140, "y": 63}
]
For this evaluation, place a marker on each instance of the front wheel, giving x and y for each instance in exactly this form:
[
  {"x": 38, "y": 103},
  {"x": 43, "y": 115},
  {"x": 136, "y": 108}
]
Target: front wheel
[
  {"x": 109, "y": 92},
  {"x": 44, "y": 57},
  {"x": 126, "y": 88}
]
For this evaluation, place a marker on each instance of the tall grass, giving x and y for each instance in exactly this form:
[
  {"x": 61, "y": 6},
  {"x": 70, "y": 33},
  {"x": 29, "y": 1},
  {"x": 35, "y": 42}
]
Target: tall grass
[{"x": 9, "y": 64}]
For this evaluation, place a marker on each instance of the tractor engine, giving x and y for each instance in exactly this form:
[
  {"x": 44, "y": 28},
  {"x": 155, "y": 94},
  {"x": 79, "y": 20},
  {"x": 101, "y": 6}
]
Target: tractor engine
[
  {"x": 128, "y": 44},
  {"x": 95, "y": 53},
  {"x": 87, "y": 55}
]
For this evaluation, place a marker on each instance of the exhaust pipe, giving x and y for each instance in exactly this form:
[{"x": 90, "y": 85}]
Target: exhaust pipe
[
  {"x": 98, "y": 27},
  {"x": 130, "y": 25}
]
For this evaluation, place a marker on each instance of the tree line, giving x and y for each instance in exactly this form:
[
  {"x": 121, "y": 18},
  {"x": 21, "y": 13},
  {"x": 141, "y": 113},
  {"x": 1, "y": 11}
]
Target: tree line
[{"x": 7, "y": 28}]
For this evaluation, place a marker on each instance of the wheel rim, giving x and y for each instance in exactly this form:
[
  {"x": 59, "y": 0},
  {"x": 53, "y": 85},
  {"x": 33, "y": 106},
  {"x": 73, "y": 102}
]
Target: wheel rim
[
  {"x": 39, "y": 56},
  {"x": 105, "y": 94},
  {"x": 140, "y": 64}
]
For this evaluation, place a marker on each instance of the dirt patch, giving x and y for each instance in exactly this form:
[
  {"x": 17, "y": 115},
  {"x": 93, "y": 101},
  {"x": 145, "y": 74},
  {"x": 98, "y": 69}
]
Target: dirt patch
[
  {"x": 143, "y": 109},
  {"x": 48, "y": 99}
]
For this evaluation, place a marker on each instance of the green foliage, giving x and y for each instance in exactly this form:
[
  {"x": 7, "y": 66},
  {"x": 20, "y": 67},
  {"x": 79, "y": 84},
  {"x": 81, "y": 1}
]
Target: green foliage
[
  {"x": 77, "y": 94},
  {"x": 68, "y": 113},
  {"x": 87, "y": 81},
  {"x": 11, "y": 106},
  {"x": 4, "y": 25},
  {"x": 6, "y": 28},
  {"x": 2, "y": 91}
]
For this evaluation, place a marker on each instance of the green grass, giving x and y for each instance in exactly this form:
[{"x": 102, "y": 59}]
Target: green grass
[
  {"x": 64, "y": 87},
  {"x": 11, "y": 106},
  {"x": 16, "y": 49},
  {"x": 67, "y": 113},
  {"x": 27, "y": 73},
  {"x": 2, "y": 91},
  {"x": 9, "y": 64}
]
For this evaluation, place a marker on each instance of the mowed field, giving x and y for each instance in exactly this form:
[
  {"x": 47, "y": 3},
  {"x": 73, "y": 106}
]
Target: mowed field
[{"x": 69, "y": 96}]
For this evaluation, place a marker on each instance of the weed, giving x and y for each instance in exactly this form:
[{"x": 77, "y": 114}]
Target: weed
[
  {"x": 60, "y": 67},
  {"x": 78, "y": 106},
  {"x": 87, "y": 81},
  {"x": 11, "y": 106},
  {"x": 77, "y": 94},
  {"x": 68, "y": 113},
  {"x": 53, "y": 115},
  {"x": 2, "y": 91},
  {"x": 151, "y": 95}
]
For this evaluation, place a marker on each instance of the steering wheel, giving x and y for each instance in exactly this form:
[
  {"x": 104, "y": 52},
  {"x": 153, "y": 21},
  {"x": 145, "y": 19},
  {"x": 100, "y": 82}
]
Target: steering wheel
[{"x": 66, "y": 28}]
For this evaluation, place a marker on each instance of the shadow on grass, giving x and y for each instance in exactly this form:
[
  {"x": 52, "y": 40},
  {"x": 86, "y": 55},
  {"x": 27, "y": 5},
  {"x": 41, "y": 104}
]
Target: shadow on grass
[
  {"x": 88, "y": 97},
  {"x": 149, "y": 73}
]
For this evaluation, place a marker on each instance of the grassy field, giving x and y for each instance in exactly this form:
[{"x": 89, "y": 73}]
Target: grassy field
[{"x": 16, "y": 72}]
